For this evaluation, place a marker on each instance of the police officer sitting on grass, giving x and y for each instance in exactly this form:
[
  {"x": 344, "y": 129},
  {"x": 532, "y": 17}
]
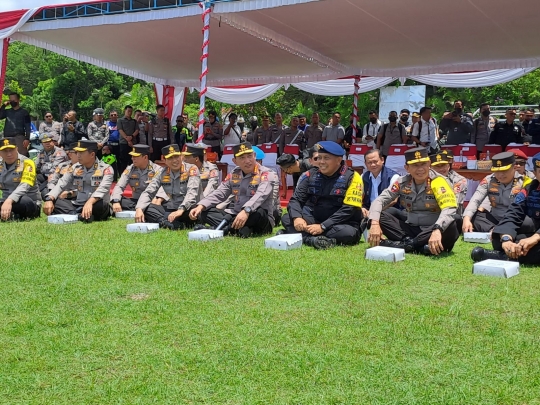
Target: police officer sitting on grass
[
  {"x": 252, "y": 208},
  {"x": 430, "y": 204},
  {"x": 62, "y": 169},
  {"x": 442, "y": 164},
  {"x": 326, "y": 206},
  {"x": 194, "y": 155},
  {"x": 20, "y": 194},
  {"x": 181, "y": 184},
  {"x": 501, "y": 189},
  {"x": 511, "y": 240},
  {"x": 47, "y": 161},
  {"x": 138, "y": 175},
  {"x": 92, "y": 179}
]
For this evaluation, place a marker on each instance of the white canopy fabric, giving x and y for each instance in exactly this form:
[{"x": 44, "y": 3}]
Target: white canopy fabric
[
  {"x": 293, "y": 41},
  {"x": 260, "y": 45}
]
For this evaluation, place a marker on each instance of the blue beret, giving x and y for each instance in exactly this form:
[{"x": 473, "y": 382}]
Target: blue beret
[
  {"x": 536, "y": 161},
  {"x": 330, "y": 147},
  {"x": 259, "y": 154}
]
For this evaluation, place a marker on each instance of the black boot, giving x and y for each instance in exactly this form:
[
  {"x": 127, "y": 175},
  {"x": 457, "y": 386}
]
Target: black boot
[
  {"x": 245, "y": 232},
  {"x": 166, "y": 225},
  {"x": 198, "y": 227},
  {"x": 281, "y": 232},
  {"x": 479, "y": 253},
  {"x": 406, "y": 244},
  {"x": 320, "y": 242},
  {"x": 86, "y": 221}
]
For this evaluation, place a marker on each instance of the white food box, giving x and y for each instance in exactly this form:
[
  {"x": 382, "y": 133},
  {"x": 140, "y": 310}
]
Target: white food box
[
  {"x": 62, "y": 219},
  {"x": 125, "y": 214},
  {"x": 471, "y": 164},
  {"x": 142, "y": 227},
  {"x": 205, "y": 235},
  {"x": 386, "y": 254},
  {"x": 477, "y": 237},
  {"x": 496, "y": 268},
  {"x": 284, "y": 242}
]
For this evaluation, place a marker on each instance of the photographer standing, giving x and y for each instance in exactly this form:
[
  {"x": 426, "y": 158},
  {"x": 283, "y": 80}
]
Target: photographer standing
[
  {"x": 17, "y": 123},
  {"x": 72, "y": 129},
  {"x": 457, "y": 125}
]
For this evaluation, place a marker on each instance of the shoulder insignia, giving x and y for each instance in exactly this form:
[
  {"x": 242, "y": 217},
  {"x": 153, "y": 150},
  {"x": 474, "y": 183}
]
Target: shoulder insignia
[
  {"x": 108, "y": 171},
  {"x": 228, "y": 177},
  {"x": 193, "y": 171},
  {"x": 214, "y": 173},
  {"x": 521, "y": 196},
  {"x": 264, "y": 176},
  {"x": 395, "y": 187}
]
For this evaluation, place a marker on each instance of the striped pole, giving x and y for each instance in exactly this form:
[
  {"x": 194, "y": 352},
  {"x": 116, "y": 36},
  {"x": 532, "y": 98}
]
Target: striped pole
[
  {"x": 206, "y": 10},
  {"x": 355, "y": 107}
]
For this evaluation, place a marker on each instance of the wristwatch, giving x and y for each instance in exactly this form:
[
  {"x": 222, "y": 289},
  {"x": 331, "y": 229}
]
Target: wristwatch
[
  {"x": 70, "y": 194},
  {"x": 323, "y": 227},
  {"x": 437, "y": 227},
  {"x": 49, "y": 198},
  {"x": 247, "y": 209},
  {"x": 506, "y": 238}
]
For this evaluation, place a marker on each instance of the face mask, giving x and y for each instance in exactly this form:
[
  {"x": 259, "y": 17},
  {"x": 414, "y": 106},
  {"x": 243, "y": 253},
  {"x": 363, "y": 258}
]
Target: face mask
[
  {"x": 13, "y": 103},
  {"x": 404, "y": 118},
  {"x": 373, "y": 120},
  {"x": 486, "y": 113},
  {"x": 392, "y": 119},
  {"x": 253, "y": 126},
  {"x": 459, "y": 110}
]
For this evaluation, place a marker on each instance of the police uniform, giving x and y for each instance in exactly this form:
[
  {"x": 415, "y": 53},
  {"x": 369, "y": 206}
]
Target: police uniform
[
  {"x": 526, "y": 206},
  {"x": 60, "y": 171},
  {"x": 262, "y": 135},
  {"x": 93, "y": 182},
  {"x": 313, "y": 135},
  {"x": 500, "y": 195},
  {"x": 276, "y": 133},
  {"x": 333, "y": 201},
  {"x": 214, "y": 138},
  {"x": 18, "y": 183},
  {"x": 291, "y": 136},
  {"x": 209, "y": 172},
  {"x": 429, "y": 206},
  {"x": 159, "y": 135},
  {"x": 98, "y": 131},
  {"x": 458, "y": 182},
  {"x": 137, "y": 179},
  {"x": 252, "y": 192},
  {"x": 47, "y": 162},
  {"x": 181, "y": 187}
]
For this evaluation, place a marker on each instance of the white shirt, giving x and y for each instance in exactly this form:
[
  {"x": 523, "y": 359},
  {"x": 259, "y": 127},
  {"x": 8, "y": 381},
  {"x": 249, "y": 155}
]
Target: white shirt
[
  {"x": 376, "y": 181},
  {"x": 428, "y": 133},
  {"x": 371, "y": 130},
  {"x": 234, "y": 137}
]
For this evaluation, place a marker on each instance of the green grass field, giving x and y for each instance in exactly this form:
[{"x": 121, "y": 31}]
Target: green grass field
[{"x": 94, "y": 315}]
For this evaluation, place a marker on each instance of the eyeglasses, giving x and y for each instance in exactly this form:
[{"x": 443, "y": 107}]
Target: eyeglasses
[{"x": 114, "y": 115}]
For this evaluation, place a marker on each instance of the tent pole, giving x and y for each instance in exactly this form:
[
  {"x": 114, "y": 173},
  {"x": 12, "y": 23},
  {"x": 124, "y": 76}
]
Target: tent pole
[
  {"x": 206, "y": 10},
  {"x": 3, "y": 63},
  {"x": 355, "y": 106}
]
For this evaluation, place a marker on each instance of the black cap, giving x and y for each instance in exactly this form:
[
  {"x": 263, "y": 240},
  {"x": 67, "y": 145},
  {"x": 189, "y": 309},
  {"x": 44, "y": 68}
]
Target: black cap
[
  {"x": 85, "y": 145},
  {"x": 286, "y": 160},
  {"x": 439, "y": 159},
  {"x": 8, "y": 143},
  {"x": 416, "y": 155},
  {"x": 140, "y": 150},
  {"x": 449, "y": 154},
  {"x": 502, "y": 161},
  {"x": 194, "y": 149},
  {"x": 71, "y": 147},
  {"x": 242, "y": 149},
  {"x": 171, "y": 150}
]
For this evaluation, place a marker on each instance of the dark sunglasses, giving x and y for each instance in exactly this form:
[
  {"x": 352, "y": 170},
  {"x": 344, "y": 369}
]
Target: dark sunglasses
[{"x": 520, "y": 162}]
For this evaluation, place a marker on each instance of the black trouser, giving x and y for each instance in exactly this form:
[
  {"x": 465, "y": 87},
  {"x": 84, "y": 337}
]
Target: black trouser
[
  {"x": 25, "y": 208},
  {"x": 485, "y": 222},
  {"x": 124, "y": 158},
  {"x": 101, "y": 210},
  {"x": 156, "y": 214},
  {"x": 344, "y": 234},
  {"x": 257, "y": 221},
  {"x": 278, "y": 213},
  {"x": 396, "y": 229},
  {"x": 156, "y": 148},
  {"x": 532, "y": 257},
  {"x": 42, "y": 183},
  {"x": 128, "y": 204}
]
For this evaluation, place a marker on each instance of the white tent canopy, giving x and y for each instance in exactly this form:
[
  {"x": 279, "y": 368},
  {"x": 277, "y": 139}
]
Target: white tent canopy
[{"x": 307, "y": 43}]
